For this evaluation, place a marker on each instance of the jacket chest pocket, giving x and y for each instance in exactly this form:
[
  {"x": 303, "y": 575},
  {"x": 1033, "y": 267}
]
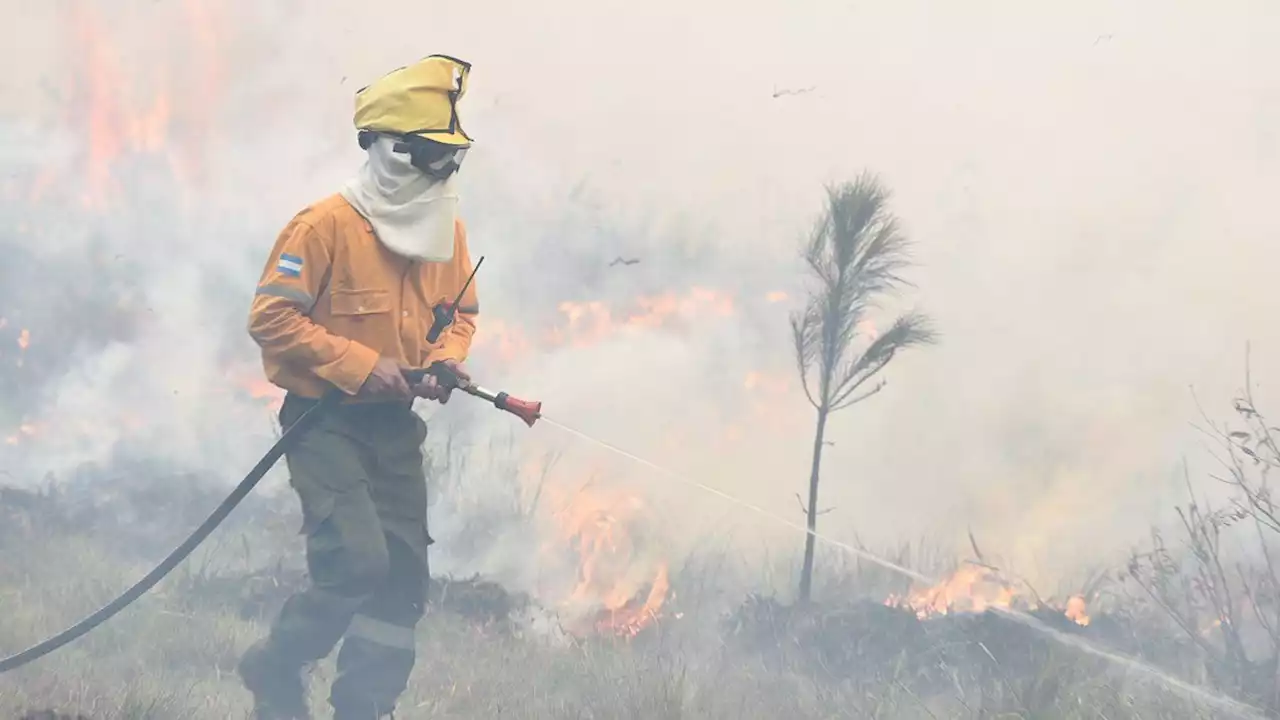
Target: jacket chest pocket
[{"x": 359, "y": 304}]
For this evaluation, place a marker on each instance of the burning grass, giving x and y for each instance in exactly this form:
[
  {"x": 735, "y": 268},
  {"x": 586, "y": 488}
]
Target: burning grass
[
  {"x": 977, "y": 587},
  {"x": 488, "y": 652},
  {"x": 616, "y": 629}
]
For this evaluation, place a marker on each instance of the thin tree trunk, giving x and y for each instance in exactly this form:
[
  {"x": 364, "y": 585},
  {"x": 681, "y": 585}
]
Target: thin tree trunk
[{"x": 806, "y": 573}]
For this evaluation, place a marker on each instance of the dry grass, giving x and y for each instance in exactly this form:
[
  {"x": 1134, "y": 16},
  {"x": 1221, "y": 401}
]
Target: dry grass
[{"x": 172, "y": 655}]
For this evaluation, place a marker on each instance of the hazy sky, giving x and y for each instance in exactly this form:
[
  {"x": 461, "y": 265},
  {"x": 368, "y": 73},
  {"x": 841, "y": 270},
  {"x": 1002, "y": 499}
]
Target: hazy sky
[{"x": 1090, "y": 186}]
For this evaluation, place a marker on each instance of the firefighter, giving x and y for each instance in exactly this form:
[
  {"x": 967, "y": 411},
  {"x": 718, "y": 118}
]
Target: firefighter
[{"x": 345, "y": 301}]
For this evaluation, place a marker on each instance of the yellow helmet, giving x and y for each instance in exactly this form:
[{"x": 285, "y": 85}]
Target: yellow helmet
[{"x": 417, "y": 100}]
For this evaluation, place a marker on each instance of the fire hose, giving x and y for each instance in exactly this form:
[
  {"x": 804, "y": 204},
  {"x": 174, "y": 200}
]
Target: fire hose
[
  {"x": 530, "y": 412},
  {"x": 526, "y": 410},
  {"x": 446, "y": 377}
]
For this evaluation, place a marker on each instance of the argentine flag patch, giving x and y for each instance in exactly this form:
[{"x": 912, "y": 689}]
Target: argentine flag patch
[{"x": 290, "y": 265}]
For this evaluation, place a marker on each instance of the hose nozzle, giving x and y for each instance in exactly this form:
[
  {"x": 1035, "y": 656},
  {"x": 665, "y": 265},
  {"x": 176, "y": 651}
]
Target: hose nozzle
[{"x": 527, "y": 410}]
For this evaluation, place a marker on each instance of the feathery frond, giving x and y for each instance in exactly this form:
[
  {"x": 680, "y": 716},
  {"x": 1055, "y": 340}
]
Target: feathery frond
[{"x": 856, "y": 253}]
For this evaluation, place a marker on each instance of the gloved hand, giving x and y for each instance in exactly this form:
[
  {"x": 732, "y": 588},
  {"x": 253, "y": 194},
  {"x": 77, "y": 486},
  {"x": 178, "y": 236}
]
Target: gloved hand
[
  {"x": 432, "y": 388},
  {"x": 386, "y": 382}
]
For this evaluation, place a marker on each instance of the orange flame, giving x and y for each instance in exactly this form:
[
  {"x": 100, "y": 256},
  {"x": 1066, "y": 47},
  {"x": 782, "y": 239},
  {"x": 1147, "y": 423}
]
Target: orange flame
[
  {"x": 976, "y": 588},
  {"x": 586, "y": 323},
  {"x": 24, "y": 430},
  {"x": 771, "y": 383},
  {"x": 273, "y": 395},
  {"x": 116, "y": 118},
  {"x": 112, "y": 128},
  {"x": 620, "y": 593},
  {"x": 972, "y": 588},
  {"x": 591, "y": 322},
  {"x": 261, "y": 389},
  {"x": 1077, "y": 610}
]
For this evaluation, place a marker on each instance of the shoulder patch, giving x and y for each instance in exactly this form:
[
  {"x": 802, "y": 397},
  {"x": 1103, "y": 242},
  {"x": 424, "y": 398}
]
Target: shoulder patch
[{"x": 290, "y": 265}]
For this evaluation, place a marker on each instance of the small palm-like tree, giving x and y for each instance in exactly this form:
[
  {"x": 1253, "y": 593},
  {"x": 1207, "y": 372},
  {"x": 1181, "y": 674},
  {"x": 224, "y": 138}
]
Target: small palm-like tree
[{"x": 855, "y": 255}]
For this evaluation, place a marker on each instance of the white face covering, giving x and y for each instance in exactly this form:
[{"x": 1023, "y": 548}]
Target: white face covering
[{"x": 412, "y": 214}]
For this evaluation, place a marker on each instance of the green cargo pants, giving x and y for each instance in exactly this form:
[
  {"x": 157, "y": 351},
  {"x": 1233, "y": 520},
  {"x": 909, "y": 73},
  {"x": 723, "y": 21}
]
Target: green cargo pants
[{"x": 359, "y": 476}]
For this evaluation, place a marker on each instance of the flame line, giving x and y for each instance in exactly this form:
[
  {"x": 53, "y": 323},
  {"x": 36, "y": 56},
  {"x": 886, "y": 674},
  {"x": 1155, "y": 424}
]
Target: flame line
[
  {"x": 744, "y": 504},
  {"x": 1030, "y": 621}
]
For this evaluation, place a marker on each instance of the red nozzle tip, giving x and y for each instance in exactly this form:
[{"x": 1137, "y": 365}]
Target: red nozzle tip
[{"x": 527, "y": 410}]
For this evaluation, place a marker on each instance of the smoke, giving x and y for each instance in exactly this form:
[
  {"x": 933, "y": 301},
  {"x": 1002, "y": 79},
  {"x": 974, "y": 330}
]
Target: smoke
[{"x": 1088, "y": 187}]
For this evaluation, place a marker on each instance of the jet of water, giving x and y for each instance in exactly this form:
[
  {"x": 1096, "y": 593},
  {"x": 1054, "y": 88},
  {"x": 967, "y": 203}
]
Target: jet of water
[{"x": 1202, "y": 694}]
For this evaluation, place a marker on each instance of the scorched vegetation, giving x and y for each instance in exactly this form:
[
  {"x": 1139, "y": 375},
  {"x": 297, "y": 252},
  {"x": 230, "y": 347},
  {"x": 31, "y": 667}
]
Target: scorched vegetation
[{"x": 667, "y": 642}]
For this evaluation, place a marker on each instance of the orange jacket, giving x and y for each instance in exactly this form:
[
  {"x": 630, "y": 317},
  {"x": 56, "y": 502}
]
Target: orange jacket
[{"x": 332, "y": 299}]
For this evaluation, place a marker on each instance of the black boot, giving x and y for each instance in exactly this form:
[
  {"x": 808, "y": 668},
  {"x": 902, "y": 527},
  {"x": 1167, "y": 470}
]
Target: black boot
[{"x": 277, "y": 687}]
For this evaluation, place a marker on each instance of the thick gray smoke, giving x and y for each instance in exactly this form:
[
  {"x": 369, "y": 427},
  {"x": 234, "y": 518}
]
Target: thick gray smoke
[{"x": 1090, "y": 189}]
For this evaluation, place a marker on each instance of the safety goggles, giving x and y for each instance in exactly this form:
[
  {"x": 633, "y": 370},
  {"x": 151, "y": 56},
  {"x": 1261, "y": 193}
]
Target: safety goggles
[{"x": 434, "y": 159}]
